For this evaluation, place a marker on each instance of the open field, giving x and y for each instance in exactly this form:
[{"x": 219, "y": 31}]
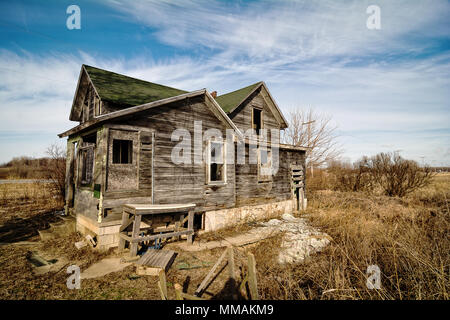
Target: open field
[{"x": 407, "y": 238}]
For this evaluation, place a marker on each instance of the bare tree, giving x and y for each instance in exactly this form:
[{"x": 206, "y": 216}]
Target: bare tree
[
  {"x": 56, "y": 168},
  {"x": 315, "y": 131}
]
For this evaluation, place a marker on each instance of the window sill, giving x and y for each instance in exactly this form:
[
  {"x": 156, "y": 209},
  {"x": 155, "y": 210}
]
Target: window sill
[{"x": 217, "y": 183}]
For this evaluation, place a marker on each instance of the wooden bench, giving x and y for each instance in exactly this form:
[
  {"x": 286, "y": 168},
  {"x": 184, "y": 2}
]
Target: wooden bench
[{"x": 133, "y": 213}]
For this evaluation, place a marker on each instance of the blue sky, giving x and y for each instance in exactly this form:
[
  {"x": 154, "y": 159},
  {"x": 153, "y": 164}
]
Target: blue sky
[{"x": 386, "y": 89}]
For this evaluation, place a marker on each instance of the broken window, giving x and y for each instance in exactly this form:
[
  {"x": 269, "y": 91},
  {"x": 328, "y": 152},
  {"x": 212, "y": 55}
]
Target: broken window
[
  {"x": 265, "y": 164},
  {"x": 122, "y": 151},
  {"x": 257, "y": 120},
  {"x": 216, "y": 162}
]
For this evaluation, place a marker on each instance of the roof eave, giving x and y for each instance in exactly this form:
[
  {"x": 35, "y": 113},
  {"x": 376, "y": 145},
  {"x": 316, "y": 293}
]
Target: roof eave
[
  {"x": 120, "y": 113},
  {"x": 284, "y": 124}
]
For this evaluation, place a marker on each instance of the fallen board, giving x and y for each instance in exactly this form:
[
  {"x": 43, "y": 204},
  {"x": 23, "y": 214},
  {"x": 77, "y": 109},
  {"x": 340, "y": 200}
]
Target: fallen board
[{"x": 162, "y": 259}]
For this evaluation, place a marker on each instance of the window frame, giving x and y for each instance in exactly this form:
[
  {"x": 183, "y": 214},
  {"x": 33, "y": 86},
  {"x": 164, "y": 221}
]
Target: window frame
[
  {"x": 83, "y": 169},
  {"x": 130, "y": 152},
  {"x": 208, "y": 164},
  {"x": 261, "y": 120}
]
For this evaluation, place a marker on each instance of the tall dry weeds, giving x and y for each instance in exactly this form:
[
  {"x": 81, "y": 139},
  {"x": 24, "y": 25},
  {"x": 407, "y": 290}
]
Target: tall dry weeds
[{"x": 406, "y": 237}]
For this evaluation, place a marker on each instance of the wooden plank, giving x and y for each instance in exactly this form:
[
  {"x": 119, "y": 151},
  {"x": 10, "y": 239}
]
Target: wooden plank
[
  {"x": 231, "y": 268},
  {"x": 232, "y": 271},
  {"x": 157, "y": 258},
  {"x": 126, "y": 224},
  {"x": 135, "y": 234},
  {"x": 142, "y": 209},
  {"x": 147, "y": 271},
  {"x": 178, "y": 291},
  {"x": 252, "y": 281},
  {"x": 122, "y": 240},
  {"x": 163, "y": 284},
  {"x": 162, "y": 236},
  {"x": 211, "y": 272},
  {"x": 190, "y": 226}
]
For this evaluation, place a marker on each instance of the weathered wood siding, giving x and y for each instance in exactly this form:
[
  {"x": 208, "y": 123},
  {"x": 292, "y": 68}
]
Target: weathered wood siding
[
  {"x": 250, "y": 191},
  {"x": 181, "y": 183},
  {"x": 123, "y": 176}
]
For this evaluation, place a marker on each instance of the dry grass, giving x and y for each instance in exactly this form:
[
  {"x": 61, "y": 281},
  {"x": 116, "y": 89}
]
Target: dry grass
[{"x": 407, "y": 238}]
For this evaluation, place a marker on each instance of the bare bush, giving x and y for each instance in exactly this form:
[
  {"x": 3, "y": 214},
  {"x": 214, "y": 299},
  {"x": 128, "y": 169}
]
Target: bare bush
[
  {"x": 315, "y": 131},
  {"x": 397, "y": 176},
  {"x": 356, "y": 177},
  {"x": 388, "y": 172},
  {"x": 56, "y": 168}
]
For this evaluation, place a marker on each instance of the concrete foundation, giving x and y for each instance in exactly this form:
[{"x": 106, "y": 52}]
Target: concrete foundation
[
  {"x": 219, "y": 219},
  {"x": 107, "y": 234}
]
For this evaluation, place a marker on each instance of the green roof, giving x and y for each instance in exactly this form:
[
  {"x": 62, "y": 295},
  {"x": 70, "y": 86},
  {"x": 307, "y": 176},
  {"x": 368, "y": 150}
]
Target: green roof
[
  {"x": 125, "y": 90},
  {"x": 229, "y": 101}
]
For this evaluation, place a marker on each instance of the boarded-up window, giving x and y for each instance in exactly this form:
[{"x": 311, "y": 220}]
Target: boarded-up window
[
  {"x": 216, "y": 162},
  {"x": 122, "y": 151}
]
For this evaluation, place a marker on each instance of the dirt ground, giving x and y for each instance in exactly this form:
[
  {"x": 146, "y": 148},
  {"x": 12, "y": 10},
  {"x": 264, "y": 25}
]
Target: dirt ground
[
  {"x": 19, "y": 282},
  {"x": 27, "y": 208}
]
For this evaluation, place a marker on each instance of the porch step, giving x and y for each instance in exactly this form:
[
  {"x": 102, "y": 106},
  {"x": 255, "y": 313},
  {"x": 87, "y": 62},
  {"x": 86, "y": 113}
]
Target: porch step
[
  {"x": 60, "y": 228},
  {"x": 46, "y": 235}
]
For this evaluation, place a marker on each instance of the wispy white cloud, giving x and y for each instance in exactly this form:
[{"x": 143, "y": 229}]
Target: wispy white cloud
[
  {"x": 291, "y": 30},
  {"x": 383, "y": 88}
]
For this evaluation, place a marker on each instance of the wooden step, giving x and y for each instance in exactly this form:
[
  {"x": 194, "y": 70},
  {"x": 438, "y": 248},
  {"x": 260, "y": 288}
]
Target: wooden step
[{"x": 162, "y": 259}]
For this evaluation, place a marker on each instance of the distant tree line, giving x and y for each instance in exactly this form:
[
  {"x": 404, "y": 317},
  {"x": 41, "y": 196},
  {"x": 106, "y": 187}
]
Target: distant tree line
[{"x": 51, "y": 168}]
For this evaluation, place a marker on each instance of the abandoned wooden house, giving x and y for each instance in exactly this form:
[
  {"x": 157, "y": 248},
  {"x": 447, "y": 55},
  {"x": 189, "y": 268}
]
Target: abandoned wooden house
[{"x": 120, "y": 154}]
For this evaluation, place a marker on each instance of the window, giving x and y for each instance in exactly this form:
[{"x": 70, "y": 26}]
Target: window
[
  {"x": 87, "y": 158},
  {"x": 122, "y": 151},
  {"x": 264, "y": 164},
  {"x": 257, "y": 120},
  {"x": 87, "y": 164},
  {"x": 216, "y": 163}
]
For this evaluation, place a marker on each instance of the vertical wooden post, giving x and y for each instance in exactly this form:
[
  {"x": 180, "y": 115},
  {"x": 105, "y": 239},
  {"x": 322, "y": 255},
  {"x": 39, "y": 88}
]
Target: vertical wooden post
[
  {"x": 301, "y": 197},
  {"x": 135, "y": 234},
  {"x": 252, "y": 282},
  {"x": 179, "y": 224},
  {"x": 70, "y": 163},
  {"x": 178, "y": 291},
  {"x": 162, "y": 284},
  {"x": 231, "y": 270},
  {"x": 190, "y": 236},
  {"x": 121, "y": 240}
]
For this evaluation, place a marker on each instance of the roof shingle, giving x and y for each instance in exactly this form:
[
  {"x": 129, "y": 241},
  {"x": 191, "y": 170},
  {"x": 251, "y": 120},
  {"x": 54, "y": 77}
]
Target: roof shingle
[
  {"x": 127, "y": 91},
  {"x": 229, "y": 101}
]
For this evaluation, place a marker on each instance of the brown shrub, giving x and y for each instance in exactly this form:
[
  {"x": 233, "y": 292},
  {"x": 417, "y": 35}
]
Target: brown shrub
[
  {"x": 397, "y": 176},
  {"x": 385, "y": 172}
]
